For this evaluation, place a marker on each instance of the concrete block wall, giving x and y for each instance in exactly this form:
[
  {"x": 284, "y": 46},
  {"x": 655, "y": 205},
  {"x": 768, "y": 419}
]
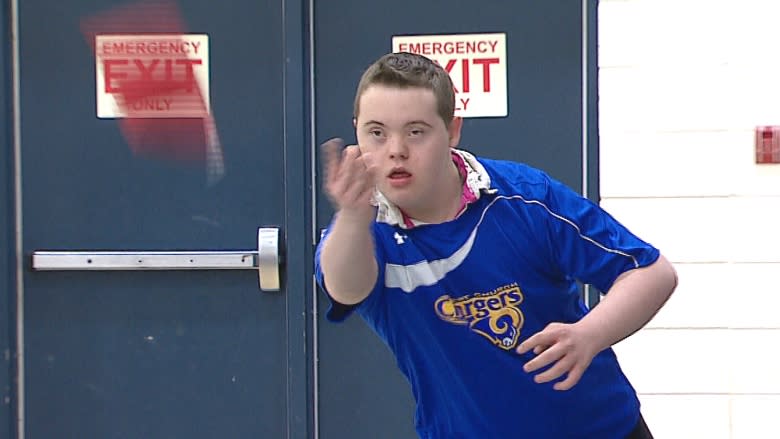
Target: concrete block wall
[{"x": 683, "y": 84}]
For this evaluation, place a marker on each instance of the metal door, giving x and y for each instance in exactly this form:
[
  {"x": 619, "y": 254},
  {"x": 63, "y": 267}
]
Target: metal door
[
  {"x": 360, "y": 391},
  {"x": 117, "y": 341}
]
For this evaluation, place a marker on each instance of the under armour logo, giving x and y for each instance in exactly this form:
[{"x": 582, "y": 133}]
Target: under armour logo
[{"x": 399, "y": 238}]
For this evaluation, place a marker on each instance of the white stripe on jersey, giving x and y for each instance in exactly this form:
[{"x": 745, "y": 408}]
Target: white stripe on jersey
[{"x": 426, "y": 273}]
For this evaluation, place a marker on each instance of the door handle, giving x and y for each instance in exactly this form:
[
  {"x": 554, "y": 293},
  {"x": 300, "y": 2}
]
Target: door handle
[{"x": 266, "y": 259}]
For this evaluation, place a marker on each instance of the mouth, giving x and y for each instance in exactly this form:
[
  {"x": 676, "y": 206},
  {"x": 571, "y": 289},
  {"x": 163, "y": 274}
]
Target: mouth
[
  {"x": 399, "y": 173},
  {"x": 399, "y": 177}
]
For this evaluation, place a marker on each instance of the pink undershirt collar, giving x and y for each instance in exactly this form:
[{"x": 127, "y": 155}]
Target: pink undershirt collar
[{"x": 467, "y": 196}]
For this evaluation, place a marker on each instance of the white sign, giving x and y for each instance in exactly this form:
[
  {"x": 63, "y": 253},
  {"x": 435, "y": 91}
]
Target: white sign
[
  {"x": 476, "y": 63},
  {"x": 152, "y": 76}
]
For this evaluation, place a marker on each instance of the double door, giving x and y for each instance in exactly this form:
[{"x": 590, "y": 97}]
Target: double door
[{"x": 163, "y": 288}]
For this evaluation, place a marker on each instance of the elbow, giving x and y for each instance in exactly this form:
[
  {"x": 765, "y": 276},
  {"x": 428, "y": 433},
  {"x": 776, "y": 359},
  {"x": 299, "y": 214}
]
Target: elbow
[{"x": 669, "y": 275}]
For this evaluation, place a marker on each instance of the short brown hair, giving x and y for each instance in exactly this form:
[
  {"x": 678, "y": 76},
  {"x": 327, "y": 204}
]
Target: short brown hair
[{"x": 404, "y": 70}]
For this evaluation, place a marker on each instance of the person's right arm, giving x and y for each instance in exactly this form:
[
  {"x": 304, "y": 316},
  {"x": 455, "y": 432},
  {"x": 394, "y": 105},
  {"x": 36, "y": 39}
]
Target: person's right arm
[{"x": 347, "y": 259}]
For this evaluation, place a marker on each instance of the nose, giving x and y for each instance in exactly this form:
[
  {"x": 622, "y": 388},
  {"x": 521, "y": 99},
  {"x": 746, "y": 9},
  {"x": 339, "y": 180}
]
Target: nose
[{"x": 397, "y": 149}]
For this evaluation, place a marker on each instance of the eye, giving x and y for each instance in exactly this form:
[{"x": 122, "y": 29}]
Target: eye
[
  {"x": 415, "y": 132},
  {"x": 375, "y": 132}
]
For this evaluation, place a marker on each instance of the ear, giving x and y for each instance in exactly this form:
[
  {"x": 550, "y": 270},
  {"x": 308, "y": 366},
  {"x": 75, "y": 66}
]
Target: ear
[
  {"x": 454, "y": 131},
  {"x": 354, "y": 122}
]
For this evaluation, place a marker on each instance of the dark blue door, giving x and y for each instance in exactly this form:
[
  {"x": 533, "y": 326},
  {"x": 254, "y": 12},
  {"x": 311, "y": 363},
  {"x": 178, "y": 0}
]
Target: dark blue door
[
  {"x": 361, "y": 392},
  {"x": 162, "y": 353}
]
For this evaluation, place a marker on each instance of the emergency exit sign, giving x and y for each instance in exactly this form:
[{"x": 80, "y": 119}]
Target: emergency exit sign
[
  {"x": 476, "y": 63},
  {"x": 152, "y": 76}
]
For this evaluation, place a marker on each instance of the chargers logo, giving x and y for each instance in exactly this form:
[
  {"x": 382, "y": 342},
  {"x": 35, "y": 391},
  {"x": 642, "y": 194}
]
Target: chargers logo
[{"x": 495, "y": 315}]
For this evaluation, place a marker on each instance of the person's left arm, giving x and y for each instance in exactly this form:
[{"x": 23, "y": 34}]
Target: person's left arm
[
  {"x": 585, "y": 242},
  {"x": 634, "y": 298}
]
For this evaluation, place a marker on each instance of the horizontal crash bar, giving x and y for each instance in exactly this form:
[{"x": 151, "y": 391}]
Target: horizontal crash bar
[{"x": 146, "y": 260}]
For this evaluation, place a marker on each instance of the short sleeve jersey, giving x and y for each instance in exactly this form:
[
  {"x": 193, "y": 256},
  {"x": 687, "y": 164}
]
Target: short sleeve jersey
[{"x": 453, "y": 300}]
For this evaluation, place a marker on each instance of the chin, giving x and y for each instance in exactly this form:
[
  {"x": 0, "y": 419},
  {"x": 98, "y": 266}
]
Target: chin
[{"x": 401, "y": 198}]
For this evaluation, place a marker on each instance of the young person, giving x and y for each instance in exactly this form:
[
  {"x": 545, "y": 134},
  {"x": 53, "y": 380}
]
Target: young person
[{"x": 467, "y": 268}]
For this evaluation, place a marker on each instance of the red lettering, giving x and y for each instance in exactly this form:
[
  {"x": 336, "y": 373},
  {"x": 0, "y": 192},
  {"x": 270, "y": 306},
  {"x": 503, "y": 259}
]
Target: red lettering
[
  {"x": 448, "y": 69},
  {"x": 486, "y": 63},
  {"x": 109, "y": 75},
  {"x": 190, "y": 72},
  {"x": 450, "y": 65},
  {"x": 146, "y": 73},
  {"x": 463, "y": 47},
  {"x": 168, "y": 70},
  {"x": 152, "y": 104},
  {"x": 465, "y": 76}
]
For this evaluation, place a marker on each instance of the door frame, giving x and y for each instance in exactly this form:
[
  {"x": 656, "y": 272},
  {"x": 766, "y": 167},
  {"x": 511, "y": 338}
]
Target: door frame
[
  {"x": 10, "y": 199},
  {"x": 590, "y": 116},
  {"x": 297, "y": 232},
  {"x": 590, "y": 102}
]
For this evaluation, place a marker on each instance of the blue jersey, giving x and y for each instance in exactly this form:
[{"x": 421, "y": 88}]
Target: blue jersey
[{"x": 453, "y": 301}]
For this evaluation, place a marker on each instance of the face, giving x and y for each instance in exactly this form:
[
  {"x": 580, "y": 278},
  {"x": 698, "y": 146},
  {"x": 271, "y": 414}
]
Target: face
[{"x": 402, "y": 134}]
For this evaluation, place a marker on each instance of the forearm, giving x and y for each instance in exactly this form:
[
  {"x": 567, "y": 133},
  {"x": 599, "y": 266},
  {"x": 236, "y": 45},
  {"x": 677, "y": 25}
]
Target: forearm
[
  {"x": 348, "y": 262},
  {"x": 635, "y": 297}
]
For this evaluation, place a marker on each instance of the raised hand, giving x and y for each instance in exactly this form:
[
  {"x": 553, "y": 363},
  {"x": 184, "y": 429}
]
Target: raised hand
[{"x": 349, "y": 177}]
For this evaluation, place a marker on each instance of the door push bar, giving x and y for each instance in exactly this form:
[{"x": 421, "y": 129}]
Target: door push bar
[{"x": 266, "y": 259}]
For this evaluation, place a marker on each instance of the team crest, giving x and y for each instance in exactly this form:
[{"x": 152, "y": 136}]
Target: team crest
[{"x": 495, "y": 315}]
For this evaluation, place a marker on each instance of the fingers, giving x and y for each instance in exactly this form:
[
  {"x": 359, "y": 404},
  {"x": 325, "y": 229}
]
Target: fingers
[
  {"x": 352, "y": 163},
  {"x": 332, "y": 156},
  {"x": 563, "y": 350},
  {"x": 349, "y": 181},
  {"x": 538, "y": 342},
  {"x": 556, "y": 371},
  {"x": 574, "y": 377},
  {"x": 544, "y": 359},
  {"x": 358, "y": 192},
  {"x": 354, "y": 174},
  {"x": 564, "y": 366}
]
